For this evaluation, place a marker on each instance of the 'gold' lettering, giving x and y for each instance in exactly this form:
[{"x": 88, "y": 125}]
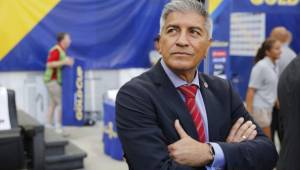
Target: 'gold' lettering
[
  {"x": 275, "y": 2},
  {"x": 257, "y": 2},
  {"x": 271, "y": 2},
  {"x": 79, "y": 94},
  {"x": 293, "y": 2}
]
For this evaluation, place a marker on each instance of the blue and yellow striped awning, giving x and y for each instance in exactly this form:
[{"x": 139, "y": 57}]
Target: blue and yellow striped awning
[
  {"x": 18, "y": 18},
  {"x": 215, "y": 7},
  {"x": 104, "y": 37}
]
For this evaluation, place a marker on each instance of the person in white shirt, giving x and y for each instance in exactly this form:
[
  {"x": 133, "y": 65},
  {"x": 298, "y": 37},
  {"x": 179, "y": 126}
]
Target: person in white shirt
[{"x": 262, "y": 88}]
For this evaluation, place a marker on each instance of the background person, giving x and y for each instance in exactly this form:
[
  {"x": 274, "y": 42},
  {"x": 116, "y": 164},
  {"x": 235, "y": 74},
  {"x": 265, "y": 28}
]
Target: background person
[
  {"x": 56, "y": 60},
  {"x": 262, "y": 88}
]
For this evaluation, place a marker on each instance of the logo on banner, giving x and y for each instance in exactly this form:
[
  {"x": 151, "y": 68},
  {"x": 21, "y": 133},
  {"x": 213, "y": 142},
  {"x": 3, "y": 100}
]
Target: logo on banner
[
  {"x": 276, "y": 2},
  {"x": 219, "y": 63},
  {"x": 79, "y": 93},
  {"x": 110, "y": 131}
]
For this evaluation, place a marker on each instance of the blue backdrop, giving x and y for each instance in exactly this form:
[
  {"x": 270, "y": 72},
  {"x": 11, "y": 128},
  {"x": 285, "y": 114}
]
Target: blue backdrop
[
  {"x": 279, "y": 13},
  {"x": 106, "y": 34}
]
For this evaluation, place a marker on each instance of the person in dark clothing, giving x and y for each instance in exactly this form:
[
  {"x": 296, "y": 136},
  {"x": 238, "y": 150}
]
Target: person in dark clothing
[{"x": 289, "y": 102}]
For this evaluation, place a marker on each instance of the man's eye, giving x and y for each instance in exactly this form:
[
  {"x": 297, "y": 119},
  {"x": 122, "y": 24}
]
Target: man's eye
[
  {"x": 195, "y": 33},
  {"x": 171, "y": 30}
]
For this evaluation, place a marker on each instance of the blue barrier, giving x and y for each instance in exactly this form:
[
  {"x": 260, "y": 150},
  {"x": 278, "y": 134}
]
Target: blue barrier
[
  {"x": 73, "y": 94},
  {"x": 112, "y": 144}
]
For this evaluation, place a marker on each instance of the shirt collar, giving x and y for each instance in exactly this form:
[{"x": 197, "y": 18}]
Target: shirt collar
[
  {"x": 177, "y": 81},
  {"x": 270, "y": 62},
  {"x": 274, "y": 66}
]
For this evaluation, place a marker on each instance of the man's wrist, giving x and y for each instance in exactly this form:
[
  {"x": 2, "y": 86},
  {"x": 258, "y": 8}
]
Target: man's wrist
[{"x": 211, "y": 154}]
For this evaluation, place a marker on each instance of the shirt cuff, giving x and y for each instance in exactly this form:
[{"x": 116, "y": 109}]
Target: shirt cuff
[{"x": 219, "y": 159}]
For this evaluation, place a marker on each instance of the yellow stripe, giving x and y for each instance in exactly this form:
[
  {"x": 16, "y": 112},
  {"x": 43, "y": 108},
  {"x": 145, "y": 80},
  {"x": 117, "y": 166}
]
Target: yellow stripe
[
  {"x": 213, "y": 5},
  {"x": 18, "y": 18}
]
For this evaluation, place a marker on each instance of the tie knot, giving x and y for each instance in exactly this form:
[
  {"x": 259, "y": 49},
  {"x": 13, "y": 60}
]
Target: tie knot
[{"x": 189, "y": 91}]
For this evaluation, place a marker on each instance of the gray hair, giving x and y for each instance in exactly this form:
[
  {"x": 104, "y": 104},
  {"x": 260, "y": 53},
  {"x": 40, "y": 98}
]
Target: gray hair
[{"x": 186, "y": 5}]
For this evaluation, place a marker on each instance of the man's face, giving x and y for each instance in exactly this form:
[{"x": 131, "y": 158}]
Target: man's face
[
  {"x": 184, "y": 41},
  {"x": 66, "y": 42}
]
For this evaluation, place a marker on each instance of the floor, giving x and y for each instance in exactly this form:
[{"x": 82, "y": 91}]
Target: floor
[{"x": 89, "y": 139}]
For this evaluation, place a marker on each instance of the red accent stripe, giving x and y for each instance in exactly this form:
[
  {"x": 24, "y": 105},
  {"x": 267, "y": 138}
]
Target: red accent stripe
[{"x": 189, "y": 93}]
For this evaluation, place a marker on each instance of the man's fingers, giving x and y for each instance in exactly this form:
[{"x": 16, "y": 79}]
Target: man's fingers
[
  {"x": 252, "y": 135},
  {"x": 180, "y": 130},
  {"x": 243, "y": 129},
  {"x": 234, "y": 129},
  {"x": 170, "y": 147},
  {"x": 249, "y": 131}
]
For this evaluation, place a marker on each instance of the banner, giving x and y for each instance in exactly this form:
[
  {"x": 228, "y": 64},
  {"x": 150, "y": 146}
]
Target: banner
[
  {"x": 105, "y": 34},
  {"x": 268, "y": 6},
  {"x": 73, "y": 94},
  {"x": 245, "y": 24},
  {"x": 219, "y": 60}
]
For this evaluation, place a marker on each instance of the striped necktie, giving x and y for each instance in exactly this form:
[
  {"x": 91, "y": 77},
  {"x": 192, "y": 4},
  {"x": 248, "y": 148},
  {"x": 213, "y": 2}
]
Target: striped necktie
[{"x": 189, "y": 92}]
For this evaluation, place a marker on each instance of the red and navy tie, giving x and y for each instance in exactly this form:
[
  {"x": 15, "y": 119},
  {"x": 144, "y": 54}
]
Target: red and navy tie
[{"x": 189, "y": 92}]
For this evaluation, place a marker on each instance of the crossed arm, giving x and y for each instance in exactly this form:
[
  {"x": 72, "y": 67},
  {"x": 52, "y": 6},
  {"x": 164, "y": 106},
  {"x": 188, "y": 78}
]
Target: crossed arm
[
  {"x": 190, "y": 152},
  {"x": 145, "y": 143}
]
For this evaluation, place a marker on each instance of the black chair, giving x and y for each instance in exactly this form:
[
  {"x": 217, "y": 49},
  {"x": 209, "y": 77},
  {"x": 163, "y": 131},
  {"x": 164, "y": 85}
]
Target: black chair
[{"x": 11, "y": 145}]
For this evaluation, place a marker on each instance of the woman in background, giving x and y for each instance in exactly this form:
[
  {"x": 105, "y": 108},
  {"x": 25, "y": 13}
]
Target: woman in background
[{"x": 262, "y": 88}]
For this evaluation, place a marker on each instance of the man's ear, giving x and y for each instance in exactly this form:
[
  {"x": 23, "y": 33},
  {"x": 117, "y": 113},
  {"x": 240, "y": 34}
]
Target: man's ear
[
  {"x": 208, "y": 46},
  {"x": 209, "y": 42},
  {"x": 156, "y": 43}
]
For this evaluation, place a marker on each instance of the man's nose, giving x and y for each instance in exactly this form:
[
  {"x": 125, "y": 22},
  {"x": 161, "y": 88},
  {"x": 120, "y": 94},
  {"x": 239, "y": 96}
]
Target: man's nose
[{"x": 182, "y": 40}]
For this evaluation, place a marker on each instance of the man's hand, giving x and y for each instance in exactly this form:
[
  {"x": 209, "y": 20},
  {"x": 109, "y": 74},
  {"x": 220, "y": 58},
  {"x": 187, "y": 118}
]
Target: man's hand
[
  {"x": 69, "y": 61},
  {"x": 188, "y": 151},
  {"x": 242, "y": 131}
]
